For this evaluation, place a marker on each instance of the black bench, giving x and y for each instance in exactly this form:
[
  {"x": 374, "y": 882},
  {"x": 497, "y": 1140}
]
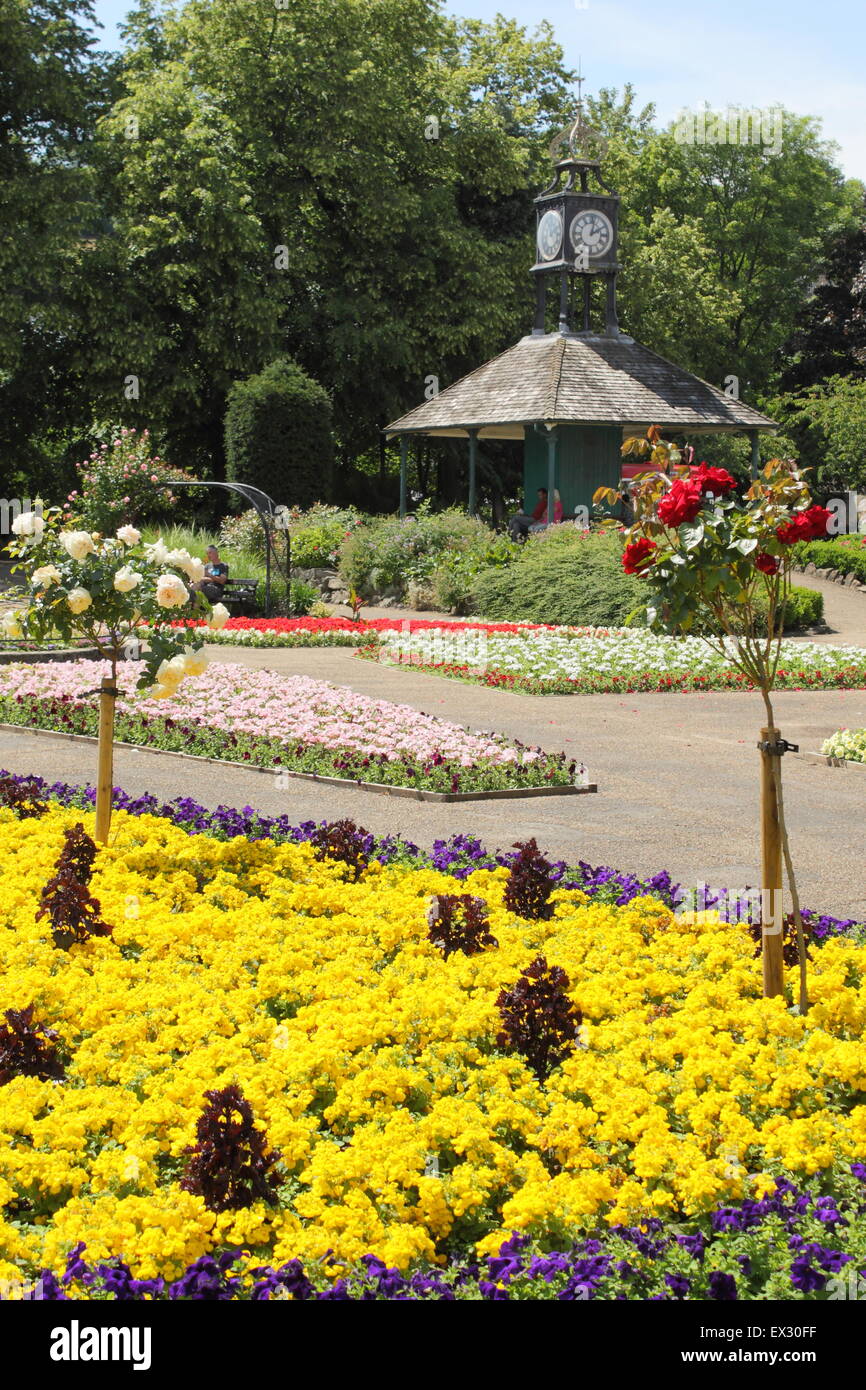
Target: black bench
[{"x": 239, "y": 593}]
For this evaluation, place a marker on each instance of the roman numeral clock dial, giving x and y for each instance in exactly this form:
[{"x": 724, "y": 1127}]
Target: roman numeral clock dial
[
  {"x": 549, "y": 235},
  {"x": 591, "y": 231}
]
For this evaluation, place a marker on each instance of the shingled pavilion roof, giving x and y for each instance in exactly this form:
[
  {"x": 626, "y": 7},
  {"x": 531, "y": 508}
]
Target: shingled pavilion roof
[{"x": 569, "y": 378}]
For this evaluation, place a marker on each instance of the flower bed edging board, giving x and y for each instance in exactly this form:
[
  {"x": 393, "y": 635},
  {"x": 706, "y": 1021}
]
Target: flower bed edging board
[
  {"x": 414, "y": 793},
  {"x": 827, "y": 760}
]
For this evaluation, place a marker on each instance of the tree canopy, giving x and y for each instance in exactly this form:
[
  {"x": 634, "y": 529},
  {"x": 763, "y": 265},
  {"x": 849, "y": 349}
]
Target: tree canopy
[{"x": 349, "y": 183}]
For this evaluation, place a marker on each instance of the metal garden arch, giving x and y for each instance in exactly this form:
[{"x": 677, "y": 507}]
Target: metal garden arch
[{"x": 266, "y": 508}]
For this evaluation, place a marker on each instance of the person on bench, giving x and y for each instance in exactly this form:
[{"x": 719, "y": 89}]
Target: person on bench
[
  {"x": 216, "y": 572},
  {"x": 520, "y": 526}
]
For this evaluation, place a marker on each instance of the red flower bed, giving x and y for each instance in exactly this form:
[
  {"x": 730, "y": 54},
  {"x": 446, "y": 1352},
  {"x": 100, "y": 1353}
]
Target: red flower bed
[{"x": 374, "y": 625}]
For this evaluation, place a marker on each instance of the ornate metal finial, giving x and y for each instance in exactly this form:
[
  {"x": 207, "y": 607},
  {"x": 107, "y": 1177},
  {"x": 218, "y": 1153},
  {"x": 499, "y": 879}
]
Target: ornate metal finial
[{"x": 583, "y": 144}]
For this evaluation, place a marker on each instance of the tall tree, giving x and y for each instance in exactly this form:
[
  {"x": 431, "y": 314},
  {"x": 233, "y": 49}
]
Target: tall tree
[
  {"x": 829, "y": 338},
  {"x": 52, "y": 85},
  {"x": 766, "y": 217},
  {"x": 307, "y": 178}
]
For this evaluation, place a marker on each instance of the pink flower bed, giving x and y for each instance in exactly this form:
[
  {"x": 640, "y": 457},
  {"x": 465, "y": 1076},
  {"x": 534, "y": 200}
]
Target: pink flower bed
[{"x": 292, "y": 709}]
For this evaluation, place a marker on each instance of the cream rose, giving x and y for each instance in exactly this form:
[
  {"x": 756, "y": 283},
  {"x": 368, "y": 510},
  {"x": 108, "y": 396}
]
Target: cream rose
[
  {"x": 10, "y": 626},
  {"x": 219, "y": 616},
  {"x": 171, "y": 592},
  {"x": 157, "y": 552},
  {"x": 126, "y": 579},
  {"x": 194, "y": 569},
  {"x": 45, "y": 575},
  {"x": 194, "y": 663},
  {"x": 78, "y": 600},
  {"x": 77, "y": 544},
  {"x": 170, "y": 674},
  {"x": 128, "y": 535},
  {"x": 28, "y": 524}
]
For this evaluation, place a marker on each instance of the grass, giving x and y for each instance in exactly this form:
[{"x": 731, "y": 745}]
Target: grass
[{"x": 243, "y": 564}]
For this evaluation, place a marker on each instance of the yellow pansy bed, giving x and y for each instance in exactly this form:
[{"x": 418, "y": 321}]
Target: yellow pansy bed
[{"x": 371, "y": 1062}]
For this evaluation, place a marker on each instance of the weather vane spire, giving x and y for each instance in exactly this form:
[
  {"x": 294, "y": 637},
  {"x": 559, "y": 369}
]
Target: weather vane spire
[{"x": 582, "y": 144}]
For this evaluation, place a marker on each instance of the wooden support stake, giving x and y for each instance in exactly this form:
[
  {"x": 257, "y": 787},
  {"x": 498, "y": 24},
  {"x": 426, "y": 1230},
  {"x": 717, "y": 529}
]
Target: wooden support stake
[
  {"x": 105, "y": 755},
  {"x": 772, "y": 910}
]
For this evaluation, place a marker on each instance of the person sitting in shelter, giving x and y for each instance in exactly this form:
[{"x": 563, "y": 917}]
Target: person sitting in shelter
[
  {"x": 216, "y": 572},
  {"x": 520, "y": 526}
]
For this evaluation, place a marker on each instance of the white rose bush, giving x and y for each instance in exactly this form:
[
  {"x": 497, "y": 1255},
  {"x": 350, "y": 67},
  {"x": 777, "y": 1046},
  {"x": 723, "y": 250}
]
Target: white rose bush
[{"x": 120, "y": 596}]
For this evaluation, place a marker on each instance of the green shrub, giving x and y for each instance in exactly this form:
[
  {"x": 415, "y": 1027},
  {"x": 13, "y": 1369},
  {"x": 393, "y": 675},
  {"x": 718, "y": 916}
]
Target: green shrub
[
  {"x": 303, "y": 597},
  {"x": 387, "y": 553},
  {"x": 278, "y": 434},
  {"x": 803, "y": 608},
  {"x": 847, "y": 554},
  {"x": 316, "y": 535},
  {"x": 456, "y": 574},
  {"x": 563, "y": 577}
]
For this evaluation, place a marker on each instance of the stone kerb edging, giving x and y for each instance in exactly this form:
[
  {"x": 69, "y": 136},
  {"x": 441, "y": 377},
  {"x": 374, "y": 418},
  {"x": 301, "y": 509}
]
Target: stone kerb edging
[
  {"x": 849, "y": 581},
  {"x": 383, "y": 788}
]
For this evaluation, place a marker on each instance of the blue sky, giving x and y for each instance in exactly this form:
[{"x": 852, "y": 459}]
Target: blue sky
[{"x": 680, "y": 53}]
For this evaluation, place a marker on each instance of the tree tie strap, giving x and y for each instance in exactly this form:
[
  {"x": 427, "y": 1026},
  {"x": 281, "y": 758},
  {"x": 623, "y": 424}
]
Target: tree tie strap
[{"x": 777, "y": 749}]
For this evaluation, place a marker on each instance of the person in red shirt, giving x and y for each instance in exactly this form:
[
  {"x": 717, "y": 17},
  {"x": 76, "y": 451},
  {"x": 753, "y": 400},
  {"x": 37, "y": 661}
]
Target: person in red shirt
[
  {"x": 520, "y": 526},
  {"x": 540, "y": 510}
]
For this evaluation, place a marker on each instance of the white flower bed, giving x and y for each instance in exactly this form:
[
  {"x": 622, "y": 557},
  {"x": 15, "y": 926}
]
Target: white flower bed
[
  {"x": 846, "y": 743},
  {"x": 576, "y": 653}
]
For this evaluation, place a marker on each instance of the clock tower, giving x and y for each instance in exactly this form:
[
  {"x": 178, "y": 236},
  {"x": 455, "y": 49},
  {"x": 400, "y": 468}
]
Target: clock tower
[{"x": 577, "y": 235}]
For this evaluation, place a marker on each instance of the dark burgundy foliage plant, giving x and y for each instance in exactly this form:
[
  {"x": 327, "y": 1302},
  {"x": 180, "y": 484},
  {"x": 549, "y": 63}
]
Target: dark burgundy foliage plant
[
  {"x": 790, "y": 949},
  {"x": 345, "y": 841},
  {"x": 21, "y": 795},
  {"x": 79, "y": 853},
  {"x": 74, "y": 913},
  {"x": 66, "y": 898},
  {"x": 458, "y": 922},
  {"x": 28, "y": 1048},
  {"x": 529, "y": 883},
  {"x": 538, "y": 1019},
  {"x": 230, "y": 1165}
]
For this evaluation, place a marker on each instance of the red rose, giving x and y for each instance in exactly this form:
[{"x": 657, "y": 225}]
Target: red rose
[
  {"x": 718, "y": 481},
  {"x": 637, "y": 556},
  {"x": 817, "y": 519},
  {"x": 767, "y": 564},
  {"x": 810, "y": 525},
  {"x": 682, "y": 503}
]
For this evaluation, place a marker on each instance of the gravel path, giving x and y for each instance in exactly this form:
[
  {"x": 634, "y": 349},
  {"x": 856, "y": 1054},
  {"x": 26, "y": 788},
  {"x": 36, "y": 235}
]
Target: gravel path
[
  {"x": 677, "y": 774},
  {"x": 844, "y": 611}
]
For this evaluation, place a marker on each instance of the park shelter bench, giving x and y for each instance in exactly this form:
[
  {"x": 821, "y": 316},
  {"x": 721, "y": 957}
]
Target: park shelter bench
[{"x": 239, "y": 593}]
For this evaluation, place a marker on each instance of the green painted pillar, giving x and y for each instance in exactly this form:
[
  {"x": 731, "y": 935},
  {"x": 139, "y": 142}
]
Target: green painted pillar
[
  {"x": 551, "y": 473},
  {"x": 473, "y": 471},
  {"x": 404, "y": 452},
  {"x": 756, "y": 457}
]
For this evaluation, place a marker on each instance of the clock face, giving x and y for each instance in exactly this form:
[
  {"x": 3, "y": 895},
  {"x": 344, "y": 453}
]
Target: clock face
[
  {"x": 549, "y": 234},
  {"x": 591, "y": 230}
]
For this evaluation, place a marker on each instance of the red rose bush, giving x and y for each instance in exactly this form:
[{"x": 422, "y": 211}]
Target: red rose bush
[{"x": 718, "y": 564}]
